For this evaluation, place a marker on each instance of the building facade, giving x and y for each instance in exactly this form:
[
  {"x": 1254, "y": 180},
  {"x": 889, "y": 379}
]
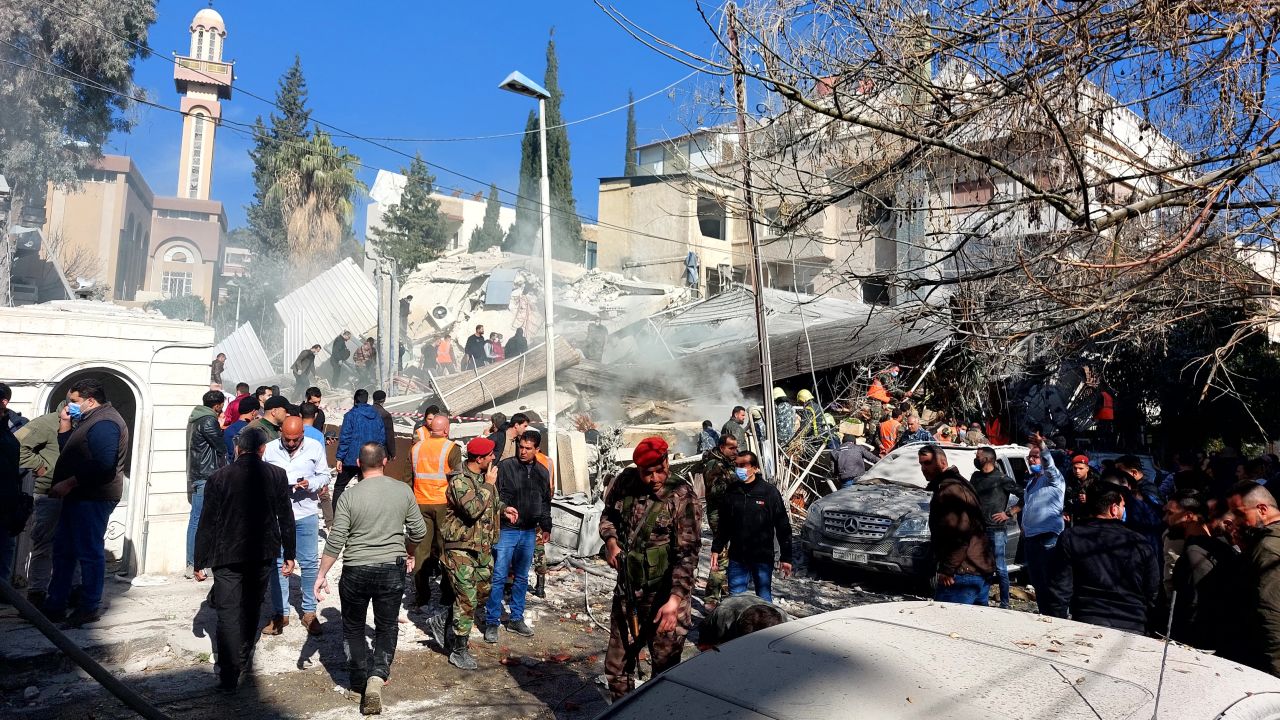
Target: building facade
[
  {"x": 463, "y": 214},
  {"x": 113, "y": 230}
]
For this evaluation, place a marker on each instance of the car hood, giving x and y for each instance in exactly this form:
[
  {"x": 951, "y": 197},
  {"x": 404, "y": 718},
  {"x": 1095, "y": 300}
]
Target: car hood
[{"x": 887, "y": 500}]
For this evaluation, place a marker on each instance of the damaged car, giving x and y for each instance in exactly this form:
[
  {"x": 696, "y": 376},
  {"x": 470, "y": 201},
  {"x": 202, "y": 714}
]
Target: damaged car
[{"x": 881, "y": 523}]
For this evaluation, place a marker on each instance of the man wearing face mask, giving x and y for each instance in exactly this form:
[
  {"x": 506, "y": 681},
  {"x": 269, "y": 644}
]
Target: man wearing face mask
[
  {"x": 38, "y": 452},
  {"x": 752, "y": 515},
  {"x": 883, "y": 391},
  {"x": 1101, "y": 572},
  {"x": 1256, "y": 513},
  {"x": 89, "y": 477},
  {"x": 994, "y": 489},
  {"x": 1042, "y": 521}
]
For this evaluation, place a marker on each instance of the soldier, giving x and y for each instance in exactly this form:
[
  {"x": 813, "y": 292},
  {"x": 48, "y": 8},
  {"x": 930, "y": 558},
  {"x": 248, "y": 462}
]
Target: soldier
[
  {"x": 785, "y": 413},
  {"x": 648, "y": 510},
  {"x": 883, "y": 391},
  {"x": 717, "y": 475},
  {"x": 470, "y": 529}
]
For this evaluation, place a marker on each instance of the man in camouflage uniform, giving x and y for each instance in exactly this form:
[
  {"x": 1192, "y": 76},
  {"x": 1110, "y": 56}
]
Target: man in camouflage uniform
[
  {"x": 469, "y": 529},
  {"x": 651, "y": 527},
  {"x": 717, "y": 476},
  {"x": 884, "y": 392}
]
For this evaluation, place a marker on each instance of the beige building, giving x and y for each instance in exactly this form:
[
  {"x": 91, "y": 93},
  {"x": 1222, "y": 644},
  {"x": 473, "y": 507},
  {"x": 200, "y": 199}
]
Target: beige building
[
  {"x": 462, "y": 213},
  {"x": 111, "y": 228}
]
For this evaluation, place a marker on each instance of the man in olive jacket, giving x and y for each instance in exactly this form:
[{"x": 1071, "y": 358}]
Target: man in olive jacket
[{"x": 206, "y": 452}]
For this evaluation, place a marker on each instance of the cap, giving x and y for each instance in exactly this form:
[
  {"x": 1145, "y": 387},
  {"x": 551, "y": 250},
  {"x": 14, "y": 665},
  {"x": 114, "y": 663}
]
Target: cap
[
  {"x": 1080, "y": 460},
  {"x": 480, "y": 446},
  {"x": 649, "y": 452},
  {"x": 275, "y": 401}
]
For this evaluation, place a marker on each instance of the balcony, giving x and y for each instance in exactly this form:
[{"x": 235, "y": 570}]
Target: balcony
[{"x": 204, "y": 72}]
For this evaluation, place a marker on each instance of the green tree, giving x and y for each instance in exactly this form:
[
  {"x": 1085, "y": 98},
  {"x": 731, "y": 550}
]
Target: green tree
[
  {"x": 630, "y": 168},
  {"x": 413, "y": 230},
  {"x": 290, "y": 126},
  {"x": 182, "y": 307},
  {"x": 566, "y": 228},
  {"x": 314, "y": 185},
  {"x": 490, "y": 233},
  {"x": 64, "y": 88}
]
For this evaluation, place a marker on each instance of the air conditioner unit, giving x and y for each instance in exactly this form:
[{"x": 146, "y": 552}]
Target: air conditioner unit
[{"x": 442, "y": 317}]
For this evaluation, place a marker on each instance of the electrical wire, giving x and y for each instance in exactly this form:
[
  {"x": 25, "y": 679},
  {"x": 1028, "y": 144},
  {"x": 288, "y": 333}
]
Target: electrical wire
[{"x": 251, "y": 131}]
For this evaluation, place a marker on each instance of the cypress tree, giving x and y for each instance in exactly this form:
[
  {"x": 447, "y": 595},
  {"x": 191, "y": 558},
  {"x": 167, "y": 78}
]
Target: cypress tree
[
  {"x": 413, "y": 230},
  {"x": 566, "y": 228},
  {"x": 489, "y": 234},
  {"x": 631, "y": 168}
]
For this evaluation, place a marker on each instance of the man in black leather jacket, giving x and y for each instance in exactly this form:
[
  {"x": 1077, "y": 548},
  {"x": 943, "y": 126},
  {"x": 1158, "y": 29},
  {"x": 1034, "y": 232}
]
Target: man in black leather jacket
[{"x": 206, "y": 452}]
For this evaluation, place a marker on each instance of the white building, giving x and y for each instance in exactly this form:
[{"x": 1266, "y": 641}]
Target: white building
[
  {"x": 154, "y": 371},
  {"x": 462, "y": 214}
]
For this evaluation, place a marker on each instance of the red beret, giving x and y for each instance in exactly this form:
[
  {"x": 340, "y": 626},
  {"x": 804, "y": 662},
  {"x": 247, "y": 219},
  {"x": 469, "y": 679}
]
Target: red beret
[
  {"x": 649, "y": 452},
  {"x": 1080, "y": 460},
  {"x": 480, "y": 446}
]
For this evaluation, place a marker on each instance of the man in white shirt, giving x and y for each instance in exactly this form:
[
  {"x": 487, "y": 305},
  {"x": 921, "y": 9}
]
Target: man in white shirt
[{"x": 303, "y": 461}]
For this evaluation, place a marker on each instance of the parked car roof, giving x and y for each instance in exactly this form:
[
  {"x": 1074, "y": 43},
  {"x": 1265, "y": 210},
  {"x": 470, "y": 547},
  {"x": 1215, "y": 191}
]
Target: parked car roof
[
  {"x": 901, "y": 466},
  {"x": 938, "y": 660}
]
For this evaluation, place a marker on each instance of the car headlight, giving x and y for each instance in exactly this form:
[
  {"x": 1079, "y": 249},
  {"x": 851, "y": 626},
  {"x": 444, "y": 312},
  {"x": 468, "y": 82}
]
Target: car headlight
[{"x": 913, "y": 526}]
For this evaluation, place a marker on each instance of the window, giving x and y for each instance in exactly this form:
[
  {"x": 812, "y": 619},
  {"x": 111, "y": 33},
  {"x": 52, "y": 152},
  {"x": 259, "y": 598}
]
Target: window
[
  {"x": 200, "y": 45},
  {"x": 175, "y": 284},
  {"x": 769, "y": 223},
  {"x": 592, "y": 251},
  {"x": 213, "y": 46},
  {"x": 876, "y": 292},
  {"x": 197, "y": 152},
  {"x": 711, "y": 219},
  {"x": 102, "y": 176},
  {"x": 182, "y": 215},
  {"x": 971, "y": 195}
]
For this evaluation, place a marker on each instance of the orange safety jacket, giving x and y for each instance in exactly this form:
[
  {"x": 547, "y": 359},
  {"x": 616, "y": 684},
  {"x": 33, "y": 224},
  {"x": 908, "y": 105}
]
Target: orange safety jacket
[
  {"x": 431, "y": 470},
  {"x": 1107, "y": 410},
  {"x": 877, "y": 391}
]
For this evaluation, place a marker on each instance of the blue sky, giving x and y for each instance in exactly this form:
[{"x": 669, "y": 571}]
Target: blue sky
[{"x": 423, "y": 70}]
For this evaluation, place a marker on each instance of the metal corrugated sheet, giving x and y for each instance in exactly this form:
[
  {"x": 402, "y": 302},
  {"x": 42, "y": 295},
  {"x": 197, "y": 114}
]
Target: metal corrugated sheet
[
  {"x": 246, "y": 360},
  {"x": 497, "y": 291},
  {"x": 340, "y": 298}
]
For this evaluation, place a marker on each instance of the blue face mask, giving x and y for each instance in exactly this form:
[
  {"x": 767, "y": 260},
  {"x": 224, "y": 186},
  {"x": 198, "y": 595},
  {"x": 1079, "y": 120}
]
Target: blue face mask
[
  {"x": 1124, "y": 514},
  {"x": 741, "y": 473},
  {"x": 73, "y": 409},
  {"x": 1036, "y": 468}
]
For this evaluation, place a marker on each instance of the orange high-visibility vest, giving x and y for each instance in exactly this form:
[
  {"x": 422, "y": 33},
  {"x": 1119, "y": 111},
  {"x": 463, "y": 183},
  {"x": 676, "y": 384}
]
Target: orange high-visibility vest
[
  {"x": 877, "y": 391},
  {"x": 431, "y": 470},
  {"x": 545, "y": 462},
  {"x": 421, "y": 434}
]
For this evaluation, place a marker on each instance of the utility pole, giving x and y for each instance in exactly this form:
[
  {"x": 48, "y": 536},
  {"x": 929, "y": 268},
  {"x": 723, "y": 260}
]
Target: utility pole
[{"x": 757, "y": 265}]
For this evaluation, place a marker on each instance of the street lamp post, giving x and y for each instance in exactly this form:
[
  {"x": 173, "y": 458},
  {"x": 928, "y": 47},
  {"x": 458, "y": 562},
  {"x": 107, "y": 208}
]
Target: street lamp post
[{"x": 519, "y": 84}]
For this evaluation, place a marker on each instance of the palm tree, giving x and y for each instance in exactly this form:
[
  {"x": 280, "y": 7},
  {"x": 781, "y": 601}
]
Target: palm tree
[{"x": 314, "y": 184}]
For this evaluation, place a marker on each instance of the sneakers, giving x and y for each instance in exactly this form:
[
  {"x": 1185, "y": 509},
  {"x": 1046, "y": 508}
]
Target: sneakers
[
  {"x": 276, "y": 625},
  {"x": 435, "y": 628},
  {"x": 371, "y": 701},
  {"x": 519, "y": 627},
  {"x": 491, "y": 634},
  {"x": 311, "y": 623}
]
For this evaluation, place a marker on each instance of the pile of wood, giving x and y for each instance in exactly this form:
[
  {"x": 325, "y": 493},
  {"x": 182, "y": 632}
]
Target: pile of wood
[{"x": 471, "y": 390}]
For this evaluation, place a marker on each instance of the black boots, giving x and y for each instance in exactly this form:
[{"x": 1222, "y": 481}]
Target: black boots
[
  {"x": 460, "y": 654},
  {"x": 540, "y": 589}
]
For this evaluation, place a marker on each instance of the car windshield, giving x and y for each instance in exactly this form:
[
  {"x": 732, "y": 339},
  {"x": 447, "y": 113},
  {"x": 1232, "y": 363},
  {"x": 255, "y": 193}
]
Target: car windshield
[{"x": 902, "y": 466}]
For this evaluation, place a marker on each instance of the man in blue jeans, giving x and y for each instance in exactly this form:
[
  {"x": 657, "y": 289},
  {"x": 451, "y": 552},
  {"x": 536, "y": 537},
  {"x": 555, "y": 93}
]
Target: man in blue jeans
[
  {"x": 206, "y": 452},
  {"x": 994, "y": 488},
  {"x": 89, "y": 476},
  {"x": 524, "y": 486},
  {"x": 752, "y": 516},
  {"x": 958, "y": 531},
  {"x": 303, "y": 461}
]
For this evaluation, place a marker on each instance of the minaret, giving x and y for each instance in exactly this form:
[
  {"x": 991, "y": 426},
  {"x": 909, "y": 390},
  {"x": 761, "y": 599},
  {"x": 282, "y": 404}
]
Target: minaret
[{"x": 202, "y": 79}]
